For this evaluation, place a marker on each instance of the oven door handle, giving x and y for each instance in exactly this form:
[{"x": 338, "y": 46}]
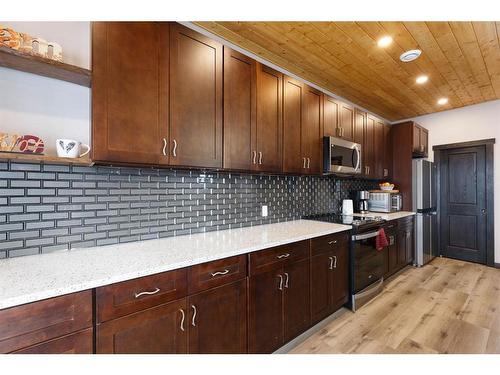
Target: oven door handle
[{"x": 359, "y": 237}]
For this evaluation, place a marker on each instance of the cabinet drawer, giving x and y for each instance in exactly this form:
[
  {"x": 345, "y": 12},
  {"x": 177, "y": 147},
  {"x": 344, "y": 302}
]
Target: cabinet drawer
[
  {"x": 212, "y": 274},
  {"x": 405, "y": 223},
  {"x": 33, "y": 323},
  {"x": 124, "y": 298},
  {"x": 332, "y": 242},
  {"x": 75, "y": 343},
  {"x": 274, "y": 257}
]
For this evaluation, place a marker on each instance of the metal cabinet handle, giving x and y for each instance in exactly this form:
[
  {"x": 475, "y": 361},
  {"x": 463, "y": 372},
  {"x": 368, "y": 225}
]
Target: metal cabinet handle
[
  {"x": 225, "y": 272},
  {"x": 332, "y": 242},
  {"x": 260, "y": 157},
  {"x": 137, "y": 295},
  {"x": 193, "y": 322},
  {"x": 164, "y": 151},
  {"x": 183, "y": 316},
  {"x": 174, "y": 150},
  {"x": 280, "y": 286},
  {"x": 304, "y": 164},
  {"x": 308, "y": 163},
  {"x": 283, "y": 256},
  {"x": 335, "y": 261},
  {"x": 254, "y": 157},
  {"x": 330, "y": 267},
  {"x": 286, "y": 280}
]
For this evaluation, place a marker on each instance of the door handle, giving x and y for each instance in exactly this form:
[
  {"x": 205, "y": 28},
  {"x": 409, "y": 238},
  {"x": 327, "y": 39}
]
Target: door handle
[
  {"x": 164, "y": 151},
  {"x": 308, "y": 163},
  {"x": 254, "y": 157},
  {"x": 137, "y": 295},
  {"x": 304, "y": 164},
  {"x": 483, "y": 211},
  {"x": 332, "y": 242},
  {"x": 260, "y": 157},
  {"x": 283, "y": 256},
  {"x": 280, "y": 286},
  {"x": 193, "y": 321},
  {"x": 183, "y": 316},
  {"x": 286, "y": 280},
  {"x": 334, "y": 261},
  {"x": 225, "y": 272},
  {"x": 330, "y": 267},
  {"x": 174, "y": 150}
]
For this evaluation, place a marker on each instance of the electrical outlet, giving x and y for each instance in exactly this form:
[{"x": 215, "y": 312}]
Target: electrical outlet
[{"x": 264, "y": 211}]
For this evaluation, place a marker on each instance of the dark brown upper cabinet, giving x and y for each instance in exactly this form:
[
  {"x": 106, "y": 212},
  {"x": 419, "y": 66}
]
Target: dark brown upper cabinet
[
  {"x": 420, "y": 141},
  {"x": 240, "y": 79},
  {"x": 312, "y": 130},
  {"x": 359, "y": 126},
  {"x": 379, "y": 148},
  {"x": 129, "y": 91},
  {"x": 294, "y": 160},
  {"x": 346, "y": 121},
  {"x": 195, "y": 99},
  {"x": 267, "y": 156},
  {"x": 330, "y": 116},
  {"x": 369, "y": 168},
  {"x": 387, "y": 165}
]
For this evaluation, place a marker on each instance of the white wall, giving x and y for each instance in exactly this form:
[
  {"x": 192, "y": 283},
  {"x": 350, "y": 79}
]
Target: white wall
[
  {"x": 475, "y": 122},
  {"x": 49, "y": 108}
]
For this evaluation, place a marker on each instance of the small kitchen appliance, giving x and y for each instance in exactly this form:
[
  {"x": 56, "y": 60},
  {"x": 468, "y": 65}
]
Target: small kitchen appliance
[
  {"x": 347, "y": 207},
  {"x": 385, "y": 201},
  {"x": 341, "y": 156},
  {"x": 361, "y": 198}
]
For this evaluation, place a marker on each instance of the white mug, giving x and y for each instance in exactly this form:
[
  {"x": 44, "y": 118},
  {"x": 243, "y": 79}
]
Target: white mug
[{"x": 69, "y": 148}]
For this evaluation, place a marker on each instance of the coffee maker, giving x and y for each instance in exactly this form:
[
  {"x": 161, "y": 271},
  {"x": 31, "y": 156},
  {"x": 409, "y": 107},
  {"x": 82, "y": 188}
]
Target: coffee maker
[{"x": 360, "y": 199}]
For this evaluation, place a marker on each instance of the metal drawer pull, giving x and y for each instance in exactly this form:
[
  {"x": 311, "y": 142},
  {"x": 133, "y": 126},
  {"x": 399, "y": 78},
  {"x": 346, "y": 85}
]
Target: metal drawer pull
[
  {"x": 332, "y": 242},
  {"x": 174, "y": 151},
  {"x": 137, "y": 295},
  {"x": 193, "y": 322},
  {"x": 308, "y": 163},
  {"x": 304, "y": 166},
  {"x": 254, "y": 157},
  {"x": 260, "y": 157},
  {"x": 225, "y": 272},
  {"x": 335, "y": 262},
  {"x": 330, "y": 267},
  {"x": 286, "y": 280},
  {"x": 283, "y": 256},
  {"x": 164, "y": 147},
  {"x": 280, "y": 287},
  {"x": 182, "y": 319}
]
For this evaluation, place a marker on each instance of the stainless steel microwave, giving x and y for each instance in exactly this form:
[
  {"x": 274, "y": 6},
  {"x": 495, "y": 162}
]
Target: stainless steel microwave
[{"x": 341, "y": 156}]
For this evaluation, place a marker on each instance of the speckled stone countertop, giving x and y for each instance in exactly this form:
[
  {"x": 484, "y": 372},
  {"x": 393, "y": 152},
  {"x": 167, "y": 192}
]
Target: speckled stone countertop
[
  {"x": 33, "y": 278},
  {"x": 389, "y": 216}
]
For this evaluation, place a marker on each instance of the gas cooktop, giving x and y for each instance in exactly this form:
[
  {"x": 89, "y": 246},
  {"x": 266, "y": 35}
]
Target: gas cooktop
[{"x": 358, "y": 222}]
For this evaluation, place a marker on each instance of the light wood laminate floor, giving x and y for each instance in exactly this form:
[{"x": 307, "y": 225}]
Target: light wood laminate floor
[{"x": 447, "y": 306}]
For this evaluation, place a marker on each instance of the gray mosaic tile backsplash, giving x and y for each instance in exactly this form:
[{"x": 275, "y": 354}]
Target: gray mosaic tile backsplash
[{"x": 45, "y": 208}]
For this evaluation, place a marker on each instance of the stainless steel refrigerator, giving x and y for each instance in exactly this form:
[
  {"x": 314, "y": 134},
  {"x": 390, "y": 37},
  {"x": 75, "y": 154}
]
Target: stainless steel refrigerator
[{"x": 425, "y": 205}]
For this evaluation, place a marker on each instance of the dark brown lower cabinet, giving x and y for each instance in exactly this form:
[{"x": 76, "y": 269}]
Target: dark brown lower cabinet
[
  {"x": 159, "y": 330},
  {"x": 329, "y": 282},
  {"x": 75, "y": 343},
  {"x": 400, "y": 251},
  {"x": 218, "y": 321},
  {"x": 278, "y": 307}
]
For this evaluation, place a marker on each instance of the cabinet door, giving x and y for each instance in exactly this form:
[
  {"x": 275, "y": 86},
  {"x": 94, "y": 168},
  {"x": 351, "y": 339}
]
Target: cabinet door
[
  {"x": 379, "y": 150},
  {"x": 265, "y": 312},
  {"x": 369, "y": 146},
  {"x": 392, "y": 253},
  {"x": 402, "y": 242},
  {"x": 218, "y": 320},
  {"x": 312, "y": 139},
  {"x": 330, "y": 117},
  {"x": 159, "y": 330},
  {"x": 195, "y": 99},
  {"x": 269, "y": 119},
  {"x": 321, "y": 287},
  {"x": 75, "y": 343},
  {"x": 387, "y": 172},
  {"x": 129, "y": 91},
  {"x": 294, "y": 159},
  {"x": 296, "y": 299},
  {"x": 239, "y": 110},
  {"x": 424, "y": 141},
  {"x": 340, "y": 273},
  {"x": 346, "y": 121},
  {"x": 416, "y": 139},
  {"x": 359, "y": 126}
]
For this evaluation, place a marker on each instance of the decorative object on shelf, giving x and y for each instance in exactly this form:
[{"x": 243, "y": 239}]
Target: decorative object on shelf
[
  {"x": 386, "y": 186},
  {"x": 10, "y": 38},
  {"x": 69, "y": 148},
  {"x": 30, "y": 45},
  {"x": 31, "y": 144},
  {"x": 8, "y": 142}
]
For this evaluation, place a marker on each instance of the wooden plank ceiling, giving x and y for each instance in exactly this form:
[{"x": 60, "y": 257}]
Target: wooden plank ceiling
[{"x": 461, "y": 59}]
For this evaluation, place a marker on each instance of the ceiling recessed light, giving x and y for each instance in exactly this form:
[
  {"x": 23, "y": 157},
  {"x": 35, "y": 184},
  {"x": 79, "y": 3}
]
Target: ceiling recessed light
[
  {"x": 443, "y": 101},
  {"x": 422, "y": 79},
  {"x": 410, "y": 55},
  {"x": 384, "y": 41}
]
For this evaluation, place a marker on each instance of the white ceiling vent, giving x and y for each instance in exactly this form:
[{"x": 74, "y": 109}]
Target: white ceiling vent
[{"x": 410, "y": 55}]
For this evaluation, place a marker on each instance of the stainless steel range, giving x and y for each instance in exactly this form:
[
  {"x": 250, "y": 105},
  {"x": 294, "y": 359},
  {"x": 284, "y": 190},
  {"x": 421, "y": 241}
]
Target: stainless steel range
[{"x": 366, "y": 263}]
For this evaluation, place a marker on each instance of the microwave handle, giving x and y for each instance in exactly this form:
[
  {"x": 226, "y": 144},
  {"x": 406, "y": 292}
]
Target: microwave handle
[{"x": 356, "y": 148}]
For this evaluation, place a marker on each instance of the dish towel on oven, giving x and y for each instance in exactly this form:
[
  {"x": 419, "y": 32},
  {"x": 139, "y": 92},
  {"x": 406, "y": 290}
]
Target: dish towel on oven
[{"x": 381, "y": 240}]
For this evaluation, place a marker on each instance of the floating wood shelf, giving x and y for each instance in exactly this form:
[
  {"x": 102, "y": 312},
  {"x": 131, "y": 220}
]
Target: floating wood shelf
[
  {"x": 46, "y": 159},
  {"x": 10, "y": 58}
]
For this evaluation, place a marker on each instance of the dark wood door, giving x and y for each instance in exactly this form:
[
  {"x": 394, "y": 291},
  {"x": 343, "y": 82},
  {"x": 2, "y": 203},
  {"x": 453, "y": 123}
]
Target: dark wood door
[
  {"x": 75, "y": 343},
  {"x": 463, "y": 203},
  {"x": 391, "y": 264},
  {"x": 239, "y": 110},
  {"x": 195, "y": 99},
  {"x": 369, "y": 147},
  {"x": 158, "y": 330},
  {"x": 321, "y": 287},
  {"x": 346, "y": 121},
  {"x": 130, "y": 92},
  {"x": 220, "y": 323},
  {"x": 297, "y": 316},
  {"x": 330, "y": 116},
  {"x": 265, "y": 312},
  {"x": 269, "y": 119},
  {"x": 340, "y": 276},
  {"x": 402, "y": 247},
  {"x": 294, "y": 159},
  {"x": 312, "y": 130}
]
